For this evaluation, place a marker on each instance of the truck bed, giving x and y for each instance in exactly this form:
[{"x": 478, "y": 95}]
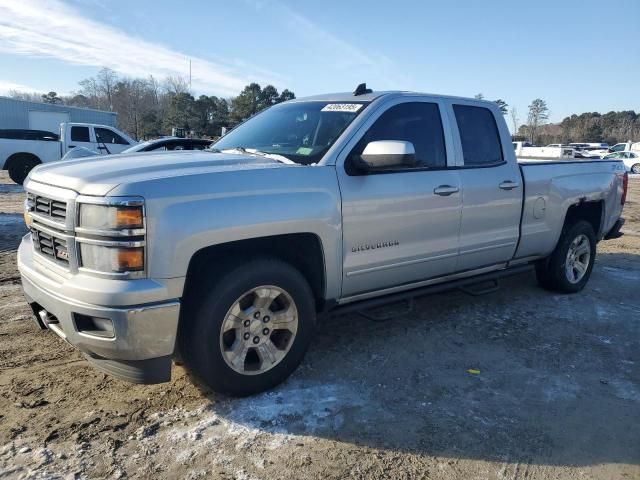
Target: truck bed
[{"x": 551, "y": 187}]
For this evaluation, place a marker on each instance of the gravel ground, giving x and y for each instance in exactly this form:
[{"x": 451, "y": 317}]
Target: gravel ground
[{"x": 556, "y": 393}]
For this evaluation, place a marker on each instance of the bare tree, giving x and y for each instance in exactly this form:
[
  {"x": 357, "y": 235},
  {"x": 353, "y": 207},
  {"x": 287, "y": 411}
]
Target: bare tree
[
  {"x": 90, "y": 90},
  {"x": 176, "y": 84},
  {"x": 154, "y": 87},
  {"x": 106, "y": 81},
  {"x": 538, "y": 114},
  {"x": 28, "y": 96},
  {"x": 513, "y": 113}
]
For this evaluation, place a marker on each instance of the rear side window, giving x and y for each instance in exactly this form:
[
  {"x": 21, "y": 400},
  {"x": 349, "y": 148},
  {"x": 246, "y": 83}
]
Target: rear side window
[
  {"x": 104, "y": 135},
  {"x": 479, "y": 135},
  {"x": 416, "y": 122},
  {"x": 80, "y": 134}
]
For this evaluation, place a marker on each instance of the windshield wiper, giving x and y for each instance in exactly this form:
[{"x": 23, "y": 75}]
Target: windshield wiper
[{"x": 255, "y": 151}]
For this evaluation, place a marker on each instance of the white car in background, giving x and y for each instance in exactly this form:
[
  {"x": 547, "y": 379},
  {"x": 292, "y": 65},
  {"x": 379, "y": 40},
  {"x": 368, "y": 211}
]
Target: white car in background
[{"x": 631, "y": 160}]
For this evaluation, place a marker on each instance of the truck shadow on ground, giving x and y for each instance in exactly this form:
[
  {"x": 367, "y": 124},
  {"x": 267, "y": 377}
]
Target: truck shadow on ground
[{"x": 519, "y": 375}]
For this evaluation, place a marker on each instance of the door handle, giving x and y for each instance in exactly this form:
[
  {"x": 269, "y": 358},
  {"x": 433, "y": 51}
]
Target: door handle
[
  {"x": 508, "y": 185},
  {"x": 445, "y": 190},
  {"x": 72, "y": 146}
]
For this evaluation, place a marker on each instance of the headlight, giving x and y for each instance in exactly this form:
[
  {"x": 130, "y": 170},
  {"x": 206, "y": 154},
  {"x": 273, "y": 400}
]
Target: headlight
[
  {"x": 112, "y": 259},
  {"x": 111, "y": 236},
  {"x": 111, "y": 217}
]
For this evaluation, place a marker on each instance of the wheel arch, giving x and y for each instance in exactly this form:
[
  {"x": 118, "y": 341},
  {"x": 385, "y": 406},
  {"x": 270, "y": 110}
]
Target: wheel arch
[
  {"x": 304, "y": 251},
  {"x": 590, "y": 211}
]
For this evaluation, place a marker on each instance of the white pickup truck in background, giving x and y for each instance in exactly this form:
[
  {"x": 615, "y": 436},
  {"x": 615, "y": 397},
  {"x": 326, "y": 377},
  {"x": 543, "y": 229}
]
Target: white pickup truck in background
[
  {"x": 22, "y": 150},
  {"x": 529, "y": 151}
]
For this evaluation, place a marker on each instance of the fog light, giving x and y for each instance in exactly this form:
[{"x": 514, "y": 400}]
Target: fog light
[{"x": 96, "y": 326}]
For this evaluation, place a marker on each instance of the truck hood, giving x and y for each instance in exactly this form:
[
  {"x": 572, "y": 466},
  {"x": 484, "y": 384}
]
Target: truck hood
[{"x": 98, "y": 176}]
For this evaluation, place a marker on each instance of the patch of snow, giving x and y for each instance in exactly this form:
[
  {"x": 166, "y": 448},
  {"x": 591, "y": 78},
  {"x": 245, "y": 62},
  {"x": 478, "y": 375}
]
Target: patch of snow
[{"x": 272, "y": 419}]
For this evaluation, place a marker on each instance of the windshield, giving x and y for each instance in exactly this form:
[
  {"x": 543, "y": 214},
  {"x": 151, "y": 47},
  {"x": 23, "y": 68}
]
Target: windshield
[{"x": 299, "y": 131}]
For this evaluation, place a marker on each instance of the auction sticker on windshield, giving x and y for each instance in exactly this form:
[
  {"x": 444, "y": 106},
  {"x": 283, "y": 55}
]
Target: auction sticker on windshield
[{"x": 342, "y": 107}]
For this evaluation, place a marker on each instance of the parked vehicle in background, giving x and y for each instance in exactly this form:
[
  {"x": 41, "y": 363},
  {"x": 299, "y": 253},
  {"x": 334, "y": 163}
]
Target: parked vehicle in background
[
  {"x": 592, "y": 145},
  {"x": 170, "y": 144},
  {"x": 631, "y": 160},
  {"x": 341, "y": 201},
  {"x": 526, "y": 150},
  {"x": 621, "y": 147},
  {"x": 22, "y": 150}
]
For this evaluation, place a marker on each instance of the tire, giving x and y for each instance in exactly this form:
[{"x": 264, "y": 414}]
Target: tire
[
  {"x": 577, "y": 245},
  {"x": 210, "y": 349},
  {"x": 20, "y": 168},
  {"x": 635, "y": 168}
]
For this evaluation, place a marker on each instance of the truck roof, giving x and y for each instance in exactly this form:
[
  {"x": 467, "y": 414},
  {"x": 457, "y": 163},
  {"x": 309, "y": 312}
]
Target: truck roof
[{"x": 369, "y": 97}]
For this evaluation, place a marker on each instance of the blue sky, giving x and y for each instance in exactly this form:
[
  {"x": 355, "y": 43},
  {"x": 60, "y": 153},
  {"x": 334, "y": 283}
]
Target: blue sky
[{"x": 577, "y": 55}]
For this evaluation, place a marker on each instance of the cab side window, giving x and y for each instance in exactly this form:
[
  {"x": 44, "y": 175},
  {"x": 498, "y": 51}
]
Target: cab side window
[
  {"x": 415, "y": 122},
  {"x": 104, "y": 135},
  {"x": 479, "y": 136},
  {"x": 80, "y": 134}
]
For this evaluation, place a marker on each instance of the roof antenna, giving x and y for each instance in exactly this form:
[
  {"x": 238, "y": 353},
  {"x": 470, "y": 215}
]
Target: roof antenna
[{"x": 361, "y": 90}]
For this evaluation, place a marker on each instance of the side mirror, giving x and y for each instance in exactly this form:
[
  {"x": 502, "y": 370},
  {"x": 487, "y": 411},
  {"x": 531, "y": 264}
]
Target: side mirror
[{"x": 384, "y": 154}]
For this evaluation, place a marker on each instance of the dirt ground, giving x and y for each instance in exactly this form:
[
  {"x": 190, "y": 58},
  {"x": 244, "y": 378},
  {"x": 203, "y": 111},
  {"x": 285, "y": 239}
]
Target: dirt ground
[{"x": 557, "y": 394}]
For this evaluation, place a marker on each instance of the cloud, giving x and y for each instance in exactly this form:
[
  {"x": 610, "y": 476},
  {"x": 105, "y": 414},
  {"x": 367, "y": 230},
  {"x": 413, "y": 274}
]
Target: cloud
[
  {"x": 330, "y": 50},
  {"x": 7, "y": 87},
  {"x": 53, "y": 29}
]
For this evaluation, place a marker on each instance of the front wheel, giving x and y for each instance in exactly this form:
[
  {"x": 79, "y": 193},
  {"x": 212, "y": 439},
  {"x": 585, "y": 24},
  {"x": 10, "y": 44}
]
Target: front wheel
[
  {"x": 569, "y": 267},
  {"x": 635, "y": 168},
  {"x": 250, "y": 328}
]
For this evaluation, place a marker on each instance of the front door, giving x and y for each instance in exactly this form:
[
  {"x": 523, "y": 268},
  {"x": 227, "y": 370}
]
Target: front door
[
  {"x": 400, "y": 226},
  {"x": 110, "y": 142}
]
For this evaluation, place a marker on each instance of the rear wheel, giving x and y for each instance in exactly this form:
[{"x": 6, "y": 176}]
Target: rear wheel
[
  {"x": 20, "y": 168},
  {"x": 635, "y": 168},
  {"x": 248, "y": 330},
  {"x": 569, "y": 267}
]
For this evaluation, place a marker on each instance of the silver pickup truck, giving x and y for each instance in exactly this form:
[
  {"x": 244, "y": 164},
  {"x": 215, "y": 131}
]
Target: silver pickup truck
[{"x": 226, "y": 257}]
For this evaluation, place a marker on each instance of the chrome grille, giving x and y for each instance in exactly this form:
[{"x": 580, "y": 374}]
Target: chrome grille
[
  {"x": 54, "y": 209},
  {"x": 50, "y": 246}
]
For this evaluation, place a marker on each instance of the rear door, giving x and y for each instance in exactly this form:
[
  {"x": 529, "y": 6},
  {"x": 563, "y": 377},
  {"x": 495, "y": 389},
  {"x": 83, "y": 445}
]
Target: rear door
[
  {"x": 491, "y": 184},
  {"x": 79, "y": 136},
  {"x": 400, "y": 226}
]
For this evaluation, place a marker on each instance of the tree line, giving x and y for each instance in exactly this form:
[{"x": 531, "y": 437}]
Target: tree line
[
  {"x": 611, "y": 127},
  {"x": 148, "y": 108}
]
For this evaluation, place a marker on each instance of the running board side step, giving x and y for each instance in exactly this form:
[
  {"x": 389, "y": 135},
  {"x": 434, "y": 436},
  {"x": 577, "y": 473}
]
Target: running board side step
[
  {"x": 482, "y": 288},
  {"x": 431, "y": 289}
]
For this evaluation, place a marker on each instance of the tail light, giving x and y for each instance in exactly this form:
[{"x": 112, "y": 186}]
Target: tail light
[{"x": 625, "y": 186}]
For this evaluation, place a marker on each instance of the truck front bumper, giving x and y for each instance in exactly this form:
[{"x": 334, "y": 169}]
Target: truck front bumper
[{"x": 134, "y": 342}]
